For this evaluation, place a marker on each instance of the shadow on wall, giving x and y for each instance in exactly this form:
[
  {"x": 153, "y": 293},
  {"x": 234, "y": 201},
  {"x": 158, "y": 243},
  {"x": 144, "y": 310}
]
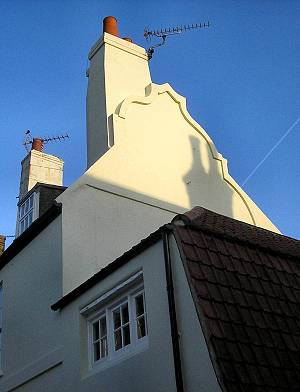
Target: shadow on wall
[{"x": 204, "y": 175}]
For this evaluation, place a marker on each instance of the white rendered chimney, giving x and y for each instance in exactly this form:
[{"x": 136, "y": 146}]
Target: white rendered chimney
[
  {"x": 118, "y": 68},
  {"x": 40, "y": 167}
]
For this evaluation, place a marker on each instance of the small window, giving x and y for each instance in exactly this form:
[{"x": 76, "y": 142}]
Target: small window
[
  {"x": 117, "y": 325},
  {"x": 121, "y": 326},
  {"x": 26, "y": 214},
  {"x": 141, "y": 325},
  {"x": 99, "y": 339}
]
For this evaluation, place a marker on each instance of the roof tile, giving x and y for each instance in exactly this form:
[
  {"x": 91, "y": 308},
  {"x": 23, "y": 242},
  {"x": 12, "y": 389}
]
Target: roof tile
[
  {"x": 202, "y": 290},
  {"x": 216, "y": 260},
  {"x": 196, "y": 271},
  {"x": 215, "y": 329},
  {"x": 246, "y": 285},
  {"x": 228, "y": 263}
]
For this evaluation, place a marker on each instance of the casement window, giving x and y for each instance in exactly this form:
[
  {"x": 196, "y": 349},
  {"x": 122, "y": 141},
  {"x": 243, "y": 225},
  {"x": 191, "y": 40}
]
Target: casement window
[
  {"x": 99, "y": 338},
  {"x": 27, "y": 213},
  {"x": 117, "y": 323}
]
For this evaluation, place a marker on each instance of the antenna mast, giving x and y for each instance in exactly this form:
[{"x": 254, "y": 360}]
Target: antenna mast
[
  {"x": 164, "y": 33},
  {"x": 38, "y": 142}
]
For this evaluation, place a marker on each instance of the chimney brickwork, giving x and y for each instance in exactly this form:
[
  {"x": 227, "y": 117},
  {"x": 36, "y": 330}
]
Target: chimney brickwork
[{"x": 40, "y": 167}]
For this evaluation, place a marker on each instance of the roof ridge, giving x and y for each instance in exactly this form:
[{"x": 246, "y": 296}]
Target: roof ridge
[{"x": 223, "y": 226}]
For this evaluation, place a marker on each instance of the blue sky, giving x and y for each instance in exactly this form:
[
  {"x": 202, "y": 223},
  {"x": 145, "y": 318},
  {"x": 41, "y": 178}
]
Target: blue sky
[{"x": 240, "y": 77}]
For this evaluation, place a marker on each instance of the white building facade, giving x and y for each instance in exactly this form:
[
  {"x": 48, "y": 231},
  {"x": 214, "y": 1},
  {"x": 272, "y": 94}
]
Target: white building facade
[{"x": 148, "y": 161}]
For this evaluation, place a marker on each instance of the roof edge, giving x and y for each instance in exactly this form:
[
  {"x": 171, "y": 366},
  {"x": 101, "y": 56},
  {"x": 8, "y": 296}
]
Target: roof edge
[
  {"x": 111, "y": 267},
  {"x": 188, "y": 220},
  {"x": 43, "y": 185},
  {"x": 184, "y": 220},
  {"x": 29, "y": 234}
]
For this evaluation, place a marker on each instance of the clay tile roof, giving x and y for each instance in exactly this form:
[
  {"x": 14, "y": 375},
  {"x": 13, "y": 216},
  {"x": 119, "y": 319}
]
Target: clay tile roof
[{"x": 245, "y": 282}]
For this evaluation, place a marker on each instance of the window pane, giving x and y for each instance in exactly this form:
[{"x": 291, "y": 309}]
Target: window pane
[
  {"x": 26, "y": 206},
  {"x": 30, "y": 218},
  {"x": 139, "y": 304},
  {"x": 22, "y": 210},
  {"x": 141, "y": 327},
  {"x": 22, "y": 226},
  {"x": 117, "y": 318},
  {"x": 96, "y": 351},
  {"x": 103, "y": 347},
  {"x": 95, "y": 331},
  {"x": 125, "y": 314},
  {"x": 126, "y": 335},
  {"x": 26, "y": 222},
  {"x": 118, "y": 339},
  {"x": 31, "y": 201},
  {"x": 103, "y": 327}
]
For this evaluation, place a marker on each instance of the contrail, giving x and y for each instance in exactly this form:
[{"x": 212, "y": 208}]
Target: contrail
[{"x": 270, "y": 152}]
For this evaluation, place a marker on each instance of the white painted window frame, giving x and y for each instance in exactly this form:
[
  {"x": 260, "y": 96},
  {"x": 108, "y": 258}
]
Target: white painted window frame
[
  {"x": 34, "y": 209},
  {"x": 125, "y": 292}
]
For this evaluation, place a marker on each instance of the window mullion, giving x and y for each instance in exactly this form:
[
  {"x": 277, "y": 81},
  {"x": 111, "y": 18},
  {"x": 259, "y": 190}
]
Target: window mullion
[
  {"x": 110, "y": 332},
  {"x": 122, "y": 326},
  {"x": 133, "y": 318}
]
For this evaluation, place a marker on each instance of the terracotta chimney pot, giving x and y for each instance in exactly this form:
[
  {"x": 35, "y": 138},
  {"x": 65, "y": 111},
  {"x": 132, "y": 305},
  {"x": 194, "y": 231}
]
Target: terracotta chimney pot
[
  {"x": 37, "y": 144},
  {"x": 2, "y": 243},
  {"x": 110, "y": 25}
]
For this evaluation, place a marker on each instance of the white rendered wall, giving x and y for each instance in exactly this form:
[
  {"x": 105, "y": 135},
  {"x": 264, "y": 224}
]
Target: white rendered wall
[
  {"x": 31, "y": 336},
  {"x": 148, "y": 371},
  {"x": 161, "y": 163},
  {"x": 40, "y": 167},
  {"x": 103, "y": 226}
]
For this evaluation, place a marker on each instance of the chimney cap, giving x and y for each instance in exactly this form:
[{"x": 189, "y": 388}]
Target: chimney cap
[
  {"x": 110, "y": 25},
  {"x": 128, "y": 39},
  {"x": 37, "y": 144}
]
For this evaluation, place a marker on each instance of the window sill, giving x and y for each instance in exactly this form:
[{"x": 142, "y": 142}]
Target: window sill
[{"x": 118, "y": 357}]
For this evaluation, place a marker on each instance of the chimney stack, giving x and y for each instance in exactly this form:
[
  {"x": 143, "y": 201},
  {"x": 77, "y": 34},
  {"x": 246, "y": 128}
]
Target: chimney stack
[
  {"x": 2, "y": 244},
  {"x": 118, "y": 68},
  {"x": 40, "y": 167}
]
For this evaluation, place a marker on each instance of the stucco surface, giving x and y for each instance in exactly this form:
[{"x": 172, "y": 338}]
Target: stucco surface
[
  {"x": 102, "y": 226},
  {"x": 156, "y": 162},
  {"x": 31, "y": 331},
  {"x": 149, "y": 370}
]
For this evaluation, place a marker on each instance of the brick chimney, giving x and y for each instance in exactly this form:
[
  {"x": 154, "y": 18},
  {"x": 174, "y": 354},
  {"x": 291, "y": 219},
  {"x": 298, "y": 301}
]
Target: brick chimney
[
  {"x": 40, "y": 167},
  {"x": 2, "y": 243},
  {"x": 41, "y": 182}
]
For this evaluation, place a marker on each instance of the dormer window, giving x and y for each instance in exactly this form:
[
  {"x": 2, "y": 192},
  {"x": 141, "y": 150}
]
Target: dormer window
[
  {"x": 117, "y": 323},
  {"x": 37, "y": 201},
  {"x": 119, "y": 328},
  {"x": 27, "y": 214}
]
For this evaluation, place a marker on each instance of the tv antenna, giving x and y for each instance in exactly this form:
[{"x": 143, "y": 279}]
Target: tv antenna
[
  {"x": 38, "y": 143},
  {"x": 164, "y": 33}
]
